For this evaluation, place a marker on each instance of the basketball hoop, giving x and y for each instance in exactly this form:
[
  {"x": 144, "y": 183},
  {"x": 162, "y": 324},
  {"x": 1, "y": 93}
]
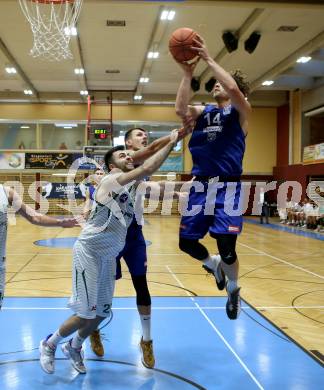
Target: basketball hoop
[{"x": 53, "y": 23}]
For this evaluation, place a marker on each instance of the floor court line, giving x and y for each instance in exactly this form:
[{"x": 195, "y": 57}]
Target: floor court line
[
  {"x": 282, "y": 261},
  {"x": 184, "y": 254},
  {"x": 176, "y": 308},
  {"x": 150, "y": 254},
  {"x": 218, "y": 333}
]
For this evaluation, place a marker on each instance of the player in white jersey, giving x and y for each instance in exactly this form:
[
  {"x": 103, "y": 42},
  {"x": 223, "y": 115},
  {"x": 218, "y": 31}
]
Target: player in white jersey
[
  {"x": 95, "y": 252},
  {"x": 9, "y": 197},
  {"x": 134, "y": 252}
]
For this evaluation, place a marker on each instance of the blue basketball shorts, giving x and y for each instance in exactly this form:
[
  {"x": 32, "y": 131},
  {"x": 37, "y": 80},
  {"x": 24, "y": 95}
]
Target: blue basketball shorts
[
  {"x": 134, "y": 252},
  {"x": 212, "y": 208}
]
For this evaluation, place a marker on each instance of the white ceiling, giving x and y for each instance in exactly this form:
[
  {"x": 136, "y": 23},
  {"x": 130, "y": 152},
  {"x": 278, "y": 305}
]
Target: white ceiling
[{"x": 99, "y": 47}]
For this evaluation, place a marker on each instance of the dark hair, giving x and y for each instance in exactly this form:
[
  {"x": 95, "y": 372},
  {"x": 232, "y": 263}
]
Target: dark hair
[
  {"x": 241, "y": 81},
  {"x": 109, "y": 155},
  {"x": 129, "y": 132}
]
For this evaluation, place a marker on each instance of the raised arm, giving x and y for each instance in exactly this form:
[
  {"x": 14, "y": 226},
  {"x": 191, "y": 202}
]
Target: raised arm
[
  {"x": 143, "y": 154},
  {"x": 36, "y": 218},
  {"x": 238, "y": 100},
  {"x": 182, "y": 107},
  {"x": 151, "y": 164},
  {"x": 114, "y": 183}
]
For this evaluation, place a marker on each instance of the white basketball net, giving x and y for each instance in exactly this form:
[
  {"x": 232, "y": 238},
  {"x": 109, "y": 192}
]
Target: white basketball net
[{"x": 53, "y": 22}]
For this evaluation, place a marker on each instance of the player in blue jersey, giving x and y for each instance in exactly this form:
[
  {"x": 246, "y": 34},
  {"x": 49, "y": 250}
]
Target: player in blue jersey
[{"x": 217, "y": 147}]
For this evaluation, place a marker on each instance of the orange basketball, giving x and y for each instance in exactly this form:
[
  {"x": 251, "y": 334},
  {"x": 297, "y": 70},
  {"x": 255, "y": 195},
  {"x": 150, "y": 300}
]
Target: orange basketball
[{"x": 180, "y": 42}]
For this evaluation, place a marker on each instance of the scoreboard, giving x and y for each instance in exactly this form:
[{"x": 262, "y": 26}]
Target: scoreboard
[{"x": 100, "y": 133}]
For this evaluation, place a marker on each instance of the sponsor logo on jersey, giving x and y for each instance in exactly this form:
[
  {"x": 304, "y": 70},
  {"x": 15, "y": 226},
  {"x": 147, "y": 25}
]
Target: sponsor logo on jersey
[
  {"x": 208, "y": 129},
  {"x": 227, "y": 110},
  {"x": 212, "y": 132},
  {"x": 94, "y": 308},
  {"x": 123, "y": 198},
  {"x": 233, "y": 228}
]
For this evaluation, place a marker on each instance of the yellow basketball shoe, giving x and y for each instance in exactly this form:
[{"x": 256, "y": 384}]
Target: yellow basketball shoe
[
  {"x": 96, "y": 344},
  {"x": 146, "y": 348}
]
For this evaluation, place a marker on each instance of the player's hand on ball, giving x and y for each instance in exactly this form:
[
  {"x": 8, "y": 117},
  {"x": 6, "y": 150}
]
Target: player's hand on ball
[{"x": 201, "y": 48}]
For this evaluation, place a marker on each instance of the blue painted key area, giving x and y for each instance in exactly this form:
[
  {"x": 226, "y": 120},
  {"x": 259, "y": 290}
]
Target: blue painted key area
[{"x": 196, "y": 346}]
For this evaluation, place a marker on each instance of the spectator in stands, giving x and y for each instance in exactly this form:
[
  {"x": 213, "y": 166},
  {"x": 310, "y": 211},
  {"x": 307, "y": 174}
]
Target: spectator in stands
[
  {"x": 298, "y": 213},
  {"x": 264, "y": 202},
  {"x": 63, "y": 146},
  {"x": 283, "y": 212},
  {"x": 306, "y": 207},
  {"x": 291, "y": 209},
  {"x": 312, "y": 216},
  {"x": 78, "y": 145},
  {"x": 21, "y": 145}
]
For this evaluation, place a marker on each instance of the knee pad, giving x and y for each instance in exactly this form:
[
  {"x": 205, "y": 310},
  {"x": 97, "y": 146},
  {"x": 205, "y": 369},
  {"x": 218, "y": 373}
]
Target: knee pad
[
  {"x": 229, "y": 258},
  {"x": 194, "y": 248},
  {"x": 226, "y": 246},
  {"x": 143, "y": 297}
]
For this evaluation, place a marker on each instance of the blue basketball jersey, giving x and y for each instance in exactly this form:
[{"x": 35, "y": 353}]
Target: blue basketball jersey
[{"x": 217, "y": 143}]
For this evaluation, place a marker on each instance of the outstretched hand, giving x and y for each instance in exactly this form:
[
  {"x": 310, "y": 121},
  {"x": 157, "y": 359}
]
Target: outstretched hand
[
  {"x": 188, "y": 123},
  {"x": 201, "y": 48},
  {"x": 70, "y": 222},
  {"x": 174, "y": 135},
  {"x": 184, "y": 131}
]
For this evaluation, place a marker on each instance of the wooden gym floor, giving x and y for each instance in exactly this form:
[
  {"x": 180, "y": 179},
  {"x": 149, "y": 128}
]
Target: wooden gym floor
[{"x": 281, "y": 274}]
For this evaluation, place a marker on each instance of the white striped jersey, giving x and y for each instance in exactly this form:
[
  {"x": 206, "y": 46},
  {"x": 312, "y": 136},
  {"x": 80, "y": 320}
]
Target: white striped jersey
[
  {"x": 3, "y": 221},
  {"x": 3, "y": 239},
  {"x": 3, "y": 204},
  {"x": 105, "y": 231}
]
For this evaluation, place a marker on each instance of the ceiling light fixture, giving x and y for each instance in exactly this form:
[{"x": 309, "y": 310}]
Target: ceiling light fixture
[
  {"x": 79, "y": 71},
  {"x": 267, "y": 83},
  {"x": 84, "y": 93},
  {"x": 28, "y": 92},
  {"x": 11, "y": 69},
  {"x": 167, "y": 15},
  {"x": 70, "y": 31},
  {"x": 138, "y": 97},
  {"x": 69, "y": 125},
  {"x": 144, "y": 80},
  {"x": 303, "y": 60},
  {"x": 171, "y": 15},
  {"x": 153, "y": 54}
]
